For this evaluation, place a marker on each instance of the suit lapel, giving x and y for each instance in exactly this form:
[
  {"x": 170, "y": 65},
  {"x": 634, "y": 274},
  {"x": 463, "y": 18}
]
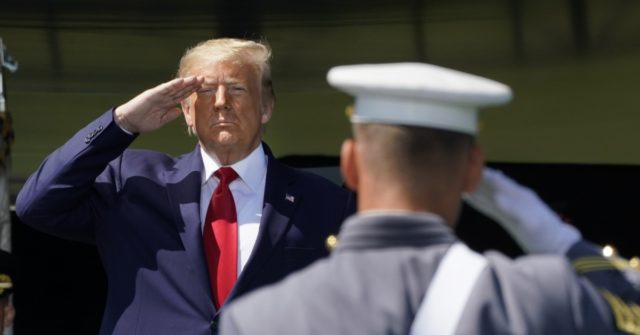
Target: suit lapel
[
  {"x": 184, "y": 183},
  {"x": 280, "y": 201}
]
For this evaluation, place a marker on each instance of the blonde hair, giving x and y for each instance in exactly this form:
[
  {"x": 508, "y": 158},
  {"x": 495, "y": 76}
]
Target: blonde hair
[{"x": 256, "y": 54}]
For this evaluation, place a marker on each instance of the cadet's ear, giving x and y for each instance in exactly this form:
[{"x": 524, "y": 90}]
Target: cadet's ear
[
  {"x": 349, "y": 165},
  {"x": 474, "y": 168}
]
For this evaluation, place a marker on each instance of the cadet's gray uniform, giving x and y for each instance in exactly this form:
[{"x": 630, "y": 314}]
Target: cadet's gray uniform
[{"x": 376, "y": 278}]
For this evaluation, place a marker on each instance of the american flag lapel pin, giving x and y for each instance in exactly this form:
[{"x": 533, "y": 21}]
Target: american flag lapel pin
[{"x": 290, "y": 198}]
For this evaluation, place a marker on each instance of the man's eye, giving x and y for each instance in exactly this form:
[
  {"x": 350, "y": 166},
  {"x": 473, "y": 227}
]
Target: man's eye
[
  {"x": 236, "y": 89},
  {"x": 207, "y": 92}
]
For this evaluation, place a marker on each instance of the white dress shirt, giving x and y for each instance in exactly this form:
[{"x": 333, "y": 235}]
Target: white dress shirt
[{"x": 248, "y": 195}]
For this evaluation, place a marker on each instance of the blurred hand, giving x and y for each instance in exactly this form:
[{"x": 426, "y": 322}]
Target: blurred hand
[
  {"x": 522, "y": 213},
  {"x": 9, "y": 314},
  {"x": 157, "y": 106}
]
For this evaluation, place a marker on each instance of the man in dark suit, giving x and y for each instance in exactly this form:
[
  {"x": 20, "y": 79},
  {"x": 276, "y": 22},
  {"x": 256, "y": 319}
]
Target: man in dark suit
[{"x": 181, "y": 236}]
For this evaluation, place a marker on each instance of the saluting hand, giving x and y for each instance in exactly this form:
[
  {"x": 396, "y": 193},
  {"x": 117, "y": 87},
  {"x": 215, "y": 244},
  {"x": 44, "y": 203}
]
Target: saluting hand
[
  {"x": 520, "y": 211},
  {"x": 157, "y": 106}
]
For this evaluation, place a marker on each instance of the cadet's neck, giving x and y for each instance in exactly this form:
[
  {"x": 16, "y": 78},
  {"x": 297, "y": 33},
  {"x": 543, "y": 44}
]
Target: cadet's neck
[{"x": 378, "y": 197}]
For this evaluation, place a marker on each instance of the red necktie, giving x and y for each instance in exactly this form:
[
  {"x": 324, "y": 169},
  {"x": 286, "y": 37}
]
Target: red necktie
[{"x": 221, "y": 238}]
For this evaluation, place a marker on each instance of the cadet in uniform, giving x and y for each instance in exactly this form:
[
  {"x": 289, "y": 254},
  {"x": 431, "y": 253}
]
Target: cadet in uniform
[{"x": 398, "y": 268}]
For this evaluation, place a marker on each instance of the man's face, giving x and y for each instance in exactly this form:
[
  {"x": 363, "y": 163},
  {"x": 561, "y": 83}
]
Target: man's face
[{"x": 228, "y": 112}]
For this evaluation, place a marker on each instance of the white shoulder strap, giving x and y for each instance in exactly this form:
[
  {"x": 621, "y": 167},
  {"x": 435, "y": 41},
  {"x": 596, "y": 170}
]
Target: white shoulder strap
[{"x": 448, "y": 292}]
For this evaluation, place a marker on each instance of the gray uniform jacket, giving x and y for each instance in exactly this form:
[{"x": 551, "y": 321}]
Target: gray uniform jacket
[{"x": 376, "y": 278}]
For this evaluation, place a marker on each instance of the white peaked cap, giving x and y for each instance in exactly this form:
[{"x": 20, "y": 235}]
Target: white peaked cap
[{"x": 417, "y": 94}]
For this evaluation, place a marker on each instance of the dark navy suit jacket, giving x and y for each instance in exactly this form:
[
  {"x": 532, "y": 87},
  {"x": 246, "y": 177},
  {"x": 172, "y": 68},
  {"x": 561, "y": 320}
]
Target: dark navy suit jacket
[{"x": 142, "y": 211}]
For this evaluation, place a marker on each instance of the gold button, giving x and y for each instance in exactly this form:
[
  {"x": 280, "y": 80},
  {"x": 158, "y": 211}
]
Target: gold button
[
  {"x": 331, "y": 242},
  {"x": 348, "y": 111},
  {"x": 609, "y": 251}
]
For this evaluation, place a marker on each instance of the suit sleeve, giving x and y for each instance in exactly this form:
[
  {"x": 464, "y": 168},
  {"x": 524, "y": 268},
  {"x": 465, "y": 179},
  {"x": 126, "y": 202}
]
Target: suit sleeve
[{"x": 75, "y": 184}]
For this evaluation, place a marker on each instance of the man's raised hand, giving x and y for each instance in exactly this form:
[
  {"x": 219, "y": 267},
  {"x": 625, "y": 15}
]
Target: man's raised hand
[{"x": 156, "y": 106}]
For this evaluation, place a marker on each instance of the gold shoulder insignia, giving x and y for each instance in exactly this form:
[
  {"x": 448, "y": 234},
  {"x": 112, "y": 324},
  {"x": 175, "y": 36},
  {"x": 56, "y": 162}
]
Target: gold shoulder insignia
[
  {"x": 627, "y": 316},
  {"x": 610, "y": 260},
  {"x": 598, "y": 263}
]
